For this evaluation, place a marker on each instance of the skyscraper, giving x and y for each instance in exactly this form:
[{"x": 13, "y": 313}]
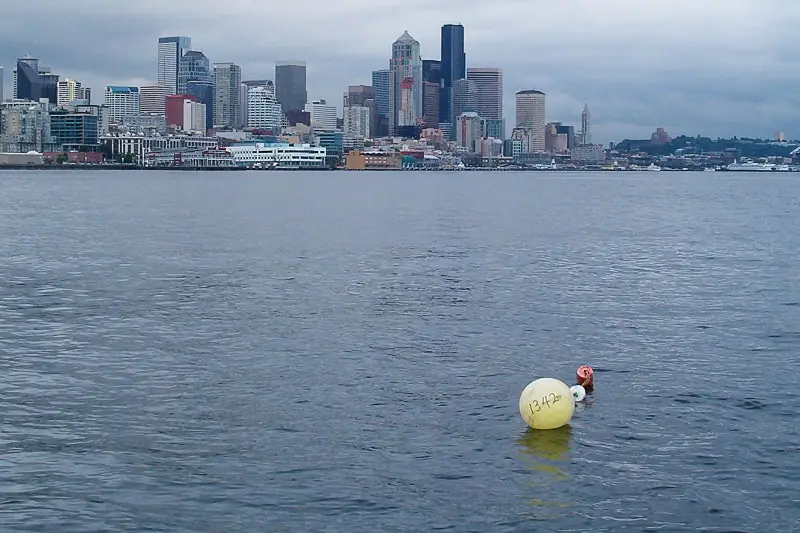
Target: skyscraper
[
  {"x": 586, "y": 126},
  {"x": 531, "y": 117},
  {"x": 153, "y": 100},
  {"x": 465, "y": 97},
  {"x": 203, "y": 92},
  {"x": 1, "y": 84},
  {"x": 405, "y": 84},
  {"x": 380, "y": 80},
  {"x": 263, "y": 109},
  {"x": 122, "y": 103},
  {"x": 69, "y": 90},
  {"x": 489, "y": 82},
  {"x": 32, "y": 82},
  {"x": 194, "y": 66},
  {"x": 227, "y": 79},
  {"x": 290, "y": 85},
  {"x": 431, "y": 89},
  {"x": 170, "y": 52},
  {"x": 454, "y": 67}
]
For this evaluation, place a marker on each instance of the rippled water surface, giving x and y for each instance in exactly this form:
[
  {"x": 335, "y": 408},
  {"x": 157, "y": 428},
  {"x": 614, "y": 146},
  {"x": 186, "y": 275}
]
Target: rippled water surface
[{"x": 337, "y": 352}]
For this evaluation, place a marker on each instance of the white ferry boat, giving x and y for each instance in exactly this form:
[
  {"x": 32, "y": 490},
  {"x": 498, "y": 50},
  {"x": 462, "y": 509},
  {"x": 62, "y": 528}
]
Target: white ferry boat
[{"x": 749, "y": 166}]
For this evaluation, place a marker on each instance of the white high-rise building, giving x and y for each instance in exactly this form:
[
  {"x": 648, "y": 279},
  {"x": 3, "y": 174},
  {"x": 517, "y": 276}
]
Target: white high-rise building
[
  {"x": 194, "y": 117},
  {"x": 323, "y": 116},
  {"x": 153, "y": 99},
  {"x": 356, "y": 122},
  {"x": 170, "y": 52},
  {"x": 68, "y": 91},
  {"x": 531, "y": 116},
  {"x": 405, "y": 83},
  {"x": 263, "y": 110},
  {"x": 122, "y": 103},
  {"x": 1, "y": 84}
]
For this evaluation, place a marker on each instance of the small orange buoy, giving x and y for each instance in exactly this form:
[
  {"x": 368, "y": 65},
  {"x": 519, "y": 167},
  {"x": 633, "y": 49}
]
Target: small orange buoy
[{"x": 585, "y": 376}]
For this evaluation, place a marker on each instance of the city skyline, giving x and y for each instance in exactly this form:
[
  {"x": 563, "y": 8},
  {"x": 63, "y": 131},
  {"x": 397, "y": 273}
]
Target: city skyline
[{"x": 705, "y": 71}]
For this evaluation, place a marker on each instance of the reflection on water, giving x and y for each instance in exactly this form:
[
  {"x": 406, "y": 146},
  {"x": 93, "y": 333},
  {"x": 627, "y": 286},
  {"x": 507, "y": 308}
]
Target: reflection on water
[{"x": 540, "y": 449}]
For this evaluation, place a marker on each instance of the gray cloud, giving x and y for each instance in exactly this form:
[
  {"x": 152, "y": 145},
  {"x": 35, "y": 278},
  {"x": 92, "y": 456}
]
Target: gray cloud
[{"x": 713, "y": 68}]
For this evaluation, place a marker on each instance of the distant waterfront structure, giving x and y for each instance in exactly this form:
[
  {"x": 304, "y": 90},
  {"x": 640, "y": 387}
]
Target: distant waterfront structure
[
  {"x": 170, "y": 52},
  {"x": 531, "y": 117},
  {"x": 227, "y": 79},
  {"x": 290, "y": 85},
  {"x": 323, "y": 115},
  {"x": 586, "y": 126},
  {"x": 263, "y": 109},
  {"x": 454, "y": 67},
  {"x": 122, "y": 102},
  {"x": 153, "y": 99},
  {"x": 405, "y": 84}
]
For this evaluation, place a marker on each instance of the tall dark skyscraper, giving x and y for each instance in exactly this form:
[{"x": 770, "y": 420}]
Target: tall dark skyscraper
[
  {"x": 431, "y": 88},
  {"x": 454, "y": 67},
  {"x": 290, "y": 85}
]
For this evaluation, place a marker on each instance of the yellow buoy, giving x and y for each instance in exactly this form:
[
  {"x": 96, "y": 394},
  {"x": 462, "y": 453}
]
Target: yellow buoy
[{"x": 546, "y": 403}]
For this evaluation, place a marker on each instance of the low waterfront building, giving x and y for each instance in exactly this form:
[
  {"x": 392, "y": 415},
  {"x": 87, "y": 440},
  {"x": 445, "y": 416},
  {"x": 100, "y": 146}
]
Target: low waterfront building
[
  {"x": 259, "y": 154},
  {"x": 30, "y": 158},
  {"x": 139, "y": 145},
  {"x": 210, "y": 158},
  {"x": 589, "y": 153},
  {"x": 373, "y": 160},
  {"x": 332, "y": 141},
  {"x": 75, "y": 130}
]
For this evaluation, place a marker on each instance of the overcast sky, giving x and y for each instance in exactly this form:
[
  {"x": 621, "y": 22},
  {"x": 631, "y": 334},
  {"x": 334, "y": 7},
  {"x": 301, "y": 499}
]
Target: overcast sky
[{"x": 711, "y": 67}]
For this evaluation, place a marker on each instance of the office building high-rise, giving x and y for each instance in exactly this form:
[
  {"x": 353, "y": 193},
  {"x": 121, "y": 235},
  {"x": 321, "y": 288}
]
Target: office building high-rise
[
  {"x": 153, "y": 100},
  {"x": 465, "y": 97},
  {"x": 405, "y": 84},
  {"x": 69, "y": 90},
  {"x": 122, "y": 103},
  {"x": 489, "y": 82},
  {"x": 323, "y": 115},
  {"x": 227, "y": 80},
  {"x": 203, "y": 92},
  {"x": 170, "y": 52},
  {"x": 263, "y": 109},
  {"x": 32, "y": 82},
  {"x": 357, "y": 95},
  {"x": 194, "y": 66},
  {"x": 1, "y": 83},
  {"x": 431, "y": 89},
  {"x": 531, "y": 117},
  {"x": 290, "y": 85},
  {"x": 454, "y": 67}
]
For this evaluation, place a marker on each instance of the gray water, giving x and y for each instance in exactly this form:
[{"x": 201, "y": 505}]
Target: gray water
[{"x": 336, "y": 352}]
